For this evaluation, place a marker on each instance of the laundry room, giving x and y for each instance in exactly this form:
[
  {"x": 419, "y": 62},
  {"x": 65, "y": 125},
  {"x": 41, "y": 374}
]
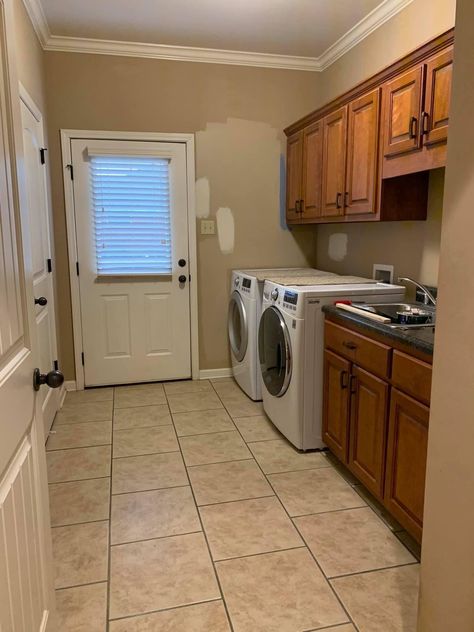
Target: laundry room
[{"x": 235, "y": 315}]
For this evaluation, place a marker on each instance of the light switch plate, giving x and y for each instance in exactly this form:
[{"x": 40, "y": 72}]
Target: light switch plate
[{"x": 208, "y": 227}]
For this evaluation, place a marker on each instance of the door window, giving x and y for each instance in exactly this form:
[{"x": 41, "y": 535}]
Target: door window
[
  {"x": 237, "y": 323},
  {"x": 275, "y": 352}
]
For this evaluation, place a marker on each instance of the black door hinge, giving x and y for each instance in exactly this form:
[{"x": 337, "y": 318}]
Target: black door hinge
[
  {"x": 71, "y": 171},
  {"x": 49, "y": 263},
  {"x": 77, "y": 268},
  {"x": 56, "y": 365},
  {"x": 82, "y": 358},
  {"x": 43, "y": 151}
]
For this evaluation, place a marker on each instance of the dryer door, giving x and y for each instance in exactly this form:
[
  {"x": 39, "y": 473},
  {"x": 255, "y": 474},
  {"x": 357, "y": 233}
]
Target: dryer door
[
  {"x": 274, "y": 348},
  {"x": 237, "y": 324}
]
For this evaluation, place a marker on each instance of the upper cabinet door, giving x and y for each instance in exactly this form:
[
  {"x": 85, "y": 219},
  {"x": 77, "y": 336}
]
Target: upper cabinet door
[
  {"x": 439, "y": 76},
  {"x": 362, "y": 154},
  {"x": 402, "y": 107},
  {"x": 294, "y": 169},
  {"x": 334, "y": 162},
  {"x": 312, "y": 170}
]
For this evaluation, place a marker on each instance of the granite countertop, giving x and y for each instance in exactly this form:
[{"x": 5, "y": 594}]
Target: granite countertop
[{"x": 420, "y": 339}]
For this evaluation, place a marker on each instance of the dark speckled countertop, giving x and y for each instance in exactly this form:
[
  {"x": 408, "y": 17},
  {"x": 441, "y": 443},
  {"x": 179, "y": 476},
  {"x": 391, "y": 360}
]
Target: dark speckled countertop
[{"x": 419, "y": 339}]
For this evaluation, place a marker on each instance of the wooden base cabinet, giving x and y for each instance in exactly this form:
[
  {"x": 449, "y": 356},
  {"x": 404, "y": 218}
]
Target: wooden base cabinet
[
  {"x": 406, "y": 461},
  {"x": 378, "y": 431}
]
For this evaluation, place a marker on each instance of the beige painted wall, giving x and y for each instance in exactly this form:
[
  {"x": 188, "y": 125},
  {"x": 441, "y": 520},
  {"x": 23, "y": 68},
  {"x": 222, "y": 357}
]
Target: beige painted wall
[
  {"x": 412, "y": 247},
  {"x": 238, "y": 115},
  {"x": 447, "y": 576},
  {"x": 30, "y": 56}
]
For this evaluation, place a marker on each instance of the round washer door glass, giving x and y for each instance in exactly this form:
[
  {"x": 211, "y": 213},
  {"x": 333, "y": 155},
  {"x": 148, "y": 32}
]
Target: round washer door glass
[
  {"x": 274, "y": 349},
  {"x": 237, "y": 326}
]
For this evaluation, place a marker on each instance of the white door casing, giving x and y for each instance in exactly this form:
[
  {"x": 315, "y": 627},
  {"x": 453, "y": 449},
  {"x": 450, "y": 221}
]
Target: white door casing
[
  {"x": 38, "y": 209},
  {"x": 134, "y": 328},
  {"x": 26, "y": 585}
]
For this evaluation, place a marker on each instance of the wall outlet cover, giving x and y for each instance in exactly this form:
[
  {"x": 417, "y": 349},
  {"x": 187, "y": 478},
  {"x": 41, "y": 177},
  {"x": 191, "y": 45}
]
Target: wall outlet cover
[{"x": 208, "y": 227}]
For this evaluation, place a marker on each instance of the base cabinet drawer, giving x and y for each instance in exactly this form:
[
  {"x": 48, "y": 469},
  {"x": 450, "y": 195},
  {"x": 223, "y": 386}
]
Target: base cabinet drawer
[
  {"x": 412, "y": 376},
  {"x": 406, "y": 461}
]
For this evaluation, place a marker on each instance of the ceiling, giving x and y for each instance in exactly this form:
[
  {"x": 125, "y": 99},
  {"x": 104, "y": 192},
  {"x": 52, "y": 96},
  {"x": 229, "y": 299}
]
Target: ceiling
[{"x": 257, "y": 29}]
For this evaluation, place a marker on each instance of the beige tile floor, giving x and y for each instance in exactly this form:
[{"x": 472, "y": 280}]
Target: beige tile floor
[{"x": 178, "y": 507}]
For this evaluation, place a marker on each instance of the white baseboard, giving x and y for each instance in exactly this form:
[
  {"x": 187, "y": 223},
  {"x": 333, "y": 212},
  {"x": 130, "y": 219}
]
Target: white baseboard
[
  {"x": 70, "y": 385},
  {"x": 209, "y": 374}
]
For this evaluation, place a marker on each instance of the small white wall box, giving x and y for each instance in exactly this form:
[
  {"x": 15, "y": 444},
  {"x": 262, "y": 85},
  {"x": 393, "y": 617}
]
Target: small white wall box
[{"x": 382, "y": 272}]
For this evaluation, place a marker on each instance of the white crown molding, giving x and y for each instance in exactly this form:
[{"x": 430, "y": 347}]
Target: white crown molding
[
  {"x": 35, "y": 11},
  {"x": 371, "y": 22},
  {"x": 179, "y": 53},
  {"x": 381, "y": 14}
]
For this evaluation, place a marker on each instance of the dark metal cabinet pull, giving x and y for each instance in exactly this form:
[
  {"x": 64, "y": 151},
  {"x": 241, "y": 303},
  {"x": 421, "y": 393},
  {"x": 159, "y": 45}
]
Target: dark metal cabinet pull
[
  {"x": 425, "y": 126},
  {"x": 338, "y": 197},
  {"x": 353, "y": 384},
  {"x": 349, "y": 345},
  {"x": 413, "y": 127},
  {"x": 346, "y": 198},
  {"x": 301, "y": 206},
  {"x": 343, "y": 379}
]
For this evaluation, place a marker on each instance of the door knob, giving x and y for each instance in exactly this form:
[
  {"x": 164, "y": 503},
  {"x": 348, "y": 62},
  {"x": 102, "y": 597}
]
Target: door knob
[
  {"x": 42, "y": 300},
  {"x": 182, "y": 278},
  {"x": 182, "y": 263},
  {"x": 53, "y": 379}
]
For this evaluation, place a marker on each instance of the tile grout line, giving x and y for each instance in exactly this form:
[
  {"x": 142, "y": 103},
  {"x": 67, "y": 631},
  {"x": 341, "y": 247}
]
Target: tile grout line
[
  {"x": 306, "y": 545},
  {"x": 156, "y": 537},
  {"x": 221, "y": 592},
  {"x": 181, "y": 606},
  {"x": 372, "y": 570},
  {"x": 109, "y": 543}
]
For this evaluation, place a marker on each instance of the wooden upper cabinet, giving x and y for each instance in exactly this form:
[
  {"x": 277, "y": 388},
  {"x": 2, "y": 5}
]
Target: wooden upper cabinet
[
  {"x": 362, "y": 154},
  {"x": 334, "y": 162},
  {"x": 294, "y": 170},
  {"x": 368, "y": 429},
  {"x": 439, "y": 77},
  {"x": 312, "y": 171},
  {"x": 402, "y": 108},
  {"x": 406, "y": 461},
  {"x": 336, "y": 404}
]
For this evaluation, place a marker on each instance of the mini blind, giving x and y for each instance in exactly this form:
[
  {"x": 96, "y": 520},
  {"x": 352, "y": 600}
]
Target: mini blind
[{"x": 131, "y": 214}]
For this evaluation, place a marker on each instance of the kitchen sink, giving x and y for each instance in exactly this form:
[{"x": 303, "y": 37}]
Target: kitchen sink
[{"x": 392, "y": 310}]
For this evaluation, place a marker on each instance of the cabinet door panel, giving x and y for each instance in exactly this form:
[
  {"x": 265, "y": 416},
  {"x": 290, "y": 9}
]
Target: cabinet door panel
[
  {"x": 406, "y": 461},
  {"x": 334, "y": 162},
  {"x": 312, "y": 170},
  {"x": 439, "y": 76},
  {"x": 361, "y": 176},
  {"x": 402, "y": 107},
  {"x": 368, "y": 429},
  {"x": 294, "y": 165},
  {"x": 336, "y": 404}
]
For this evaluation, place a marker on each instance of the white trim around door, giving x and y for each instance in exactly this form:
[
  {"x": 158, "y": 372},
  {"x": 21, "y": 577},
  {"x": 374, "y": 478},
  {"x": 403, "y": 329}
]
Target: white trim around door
[{"x": 188, "y": 140}]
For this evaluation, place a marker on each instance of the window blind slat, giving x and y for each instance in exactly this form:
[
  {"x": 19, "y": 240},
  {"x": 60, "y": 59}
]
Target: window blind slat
[{"x": 131, "y": 214}]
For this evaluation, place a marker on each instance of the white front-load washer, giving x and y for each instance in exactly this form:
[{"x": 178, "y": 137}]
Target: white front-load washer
[
  {"x": 291, "y": 351},
  {"x": 245, "y": 306}
]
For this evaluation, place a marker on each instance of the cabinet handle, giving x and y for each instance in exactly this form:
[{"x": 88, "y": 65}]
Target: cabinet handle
[
  {"x": 297, "y": 206},
  {"x": 346, "y": 198},
  {"x": 353, "y": 384},
  {"x": 342, "y": 379},
  {"x": 413, "y": 127},
  {"x": 425, "y": 125},
  {"x": 301, "y": 206},
  {"x": 338, "y": 196},
  {"x": 349, "y": 345}
]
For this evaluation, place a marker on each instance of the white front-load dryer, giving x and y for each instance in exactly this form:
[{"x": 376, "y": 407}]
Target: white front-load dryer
[
  {"x": 245, "y": 306},
  {"x": 291, "y": 352}
]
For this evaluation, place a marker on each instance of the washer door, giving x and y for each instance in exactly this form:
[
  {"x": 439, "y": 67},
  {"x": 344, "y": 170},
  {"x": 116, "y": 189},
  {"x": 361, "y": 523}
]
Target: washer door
[
  {"x": 274, "y": 349},
  {"x": 237, "y": 325}
]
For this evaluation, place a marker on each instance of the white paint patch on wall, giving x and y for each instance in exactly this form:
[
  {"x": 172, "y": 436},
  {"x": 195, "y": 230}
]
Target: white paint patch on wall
[
  {"x": 203, "y": 198},
  {"x": 337, "y": 246},
  {"x": 225, "y": 230}
]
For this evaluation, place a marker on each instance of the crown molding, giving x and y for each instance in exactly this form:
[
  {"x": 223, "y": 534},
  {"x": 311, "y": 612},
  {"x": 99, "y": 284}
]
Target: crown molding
[
  {"x": 179, "y": 53},
  {"x": 381, "y": 14},
  {"x": 35, "y": 11},
  {"x": 370, "y": 23}
]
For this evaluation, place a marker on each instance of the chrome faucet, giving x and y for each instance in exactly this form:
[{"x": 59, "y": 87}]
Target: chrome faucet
[{"x": 421, "y": 287}]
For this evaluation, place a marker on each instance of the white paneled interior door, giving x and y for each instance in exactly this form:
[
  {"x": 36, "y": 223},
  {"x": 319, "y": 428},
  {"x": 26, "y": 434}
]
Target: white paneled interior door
[
  {"x": 26, "y": 585},
  {"x": 37, "y": 208},
  {"x": 130, "y": 201}
]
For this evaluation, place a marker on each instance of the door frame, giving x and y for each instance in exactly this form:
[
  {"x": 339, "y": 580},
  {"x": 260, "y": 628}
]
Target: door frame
[{"x": 67, "y": 135}]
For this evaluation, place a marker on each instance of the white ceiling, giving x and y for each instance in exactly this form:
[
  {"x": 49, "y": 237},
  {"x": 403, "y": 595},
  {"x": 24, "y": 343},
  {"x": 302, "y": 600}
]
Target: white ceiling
[{"x": 306, "y": 34}]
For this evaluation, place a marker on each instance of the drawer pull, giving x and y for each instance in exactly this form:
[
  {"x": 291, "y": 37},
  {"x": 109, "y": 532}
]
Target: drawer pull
[
  {"x": 353, "y": 387},
  {"x": 349, "y": 345},
  {"x": 343, "y": 379}
]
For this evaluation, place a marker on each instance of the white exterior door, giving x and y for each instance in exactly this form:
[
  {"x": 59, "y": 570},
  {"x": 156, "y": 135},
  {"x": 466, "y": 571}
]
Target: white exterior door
[
  {"x": 130, "y": 203},
  {"x": 37, "y": 208},
  {"x": 26, "y": 594}
]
